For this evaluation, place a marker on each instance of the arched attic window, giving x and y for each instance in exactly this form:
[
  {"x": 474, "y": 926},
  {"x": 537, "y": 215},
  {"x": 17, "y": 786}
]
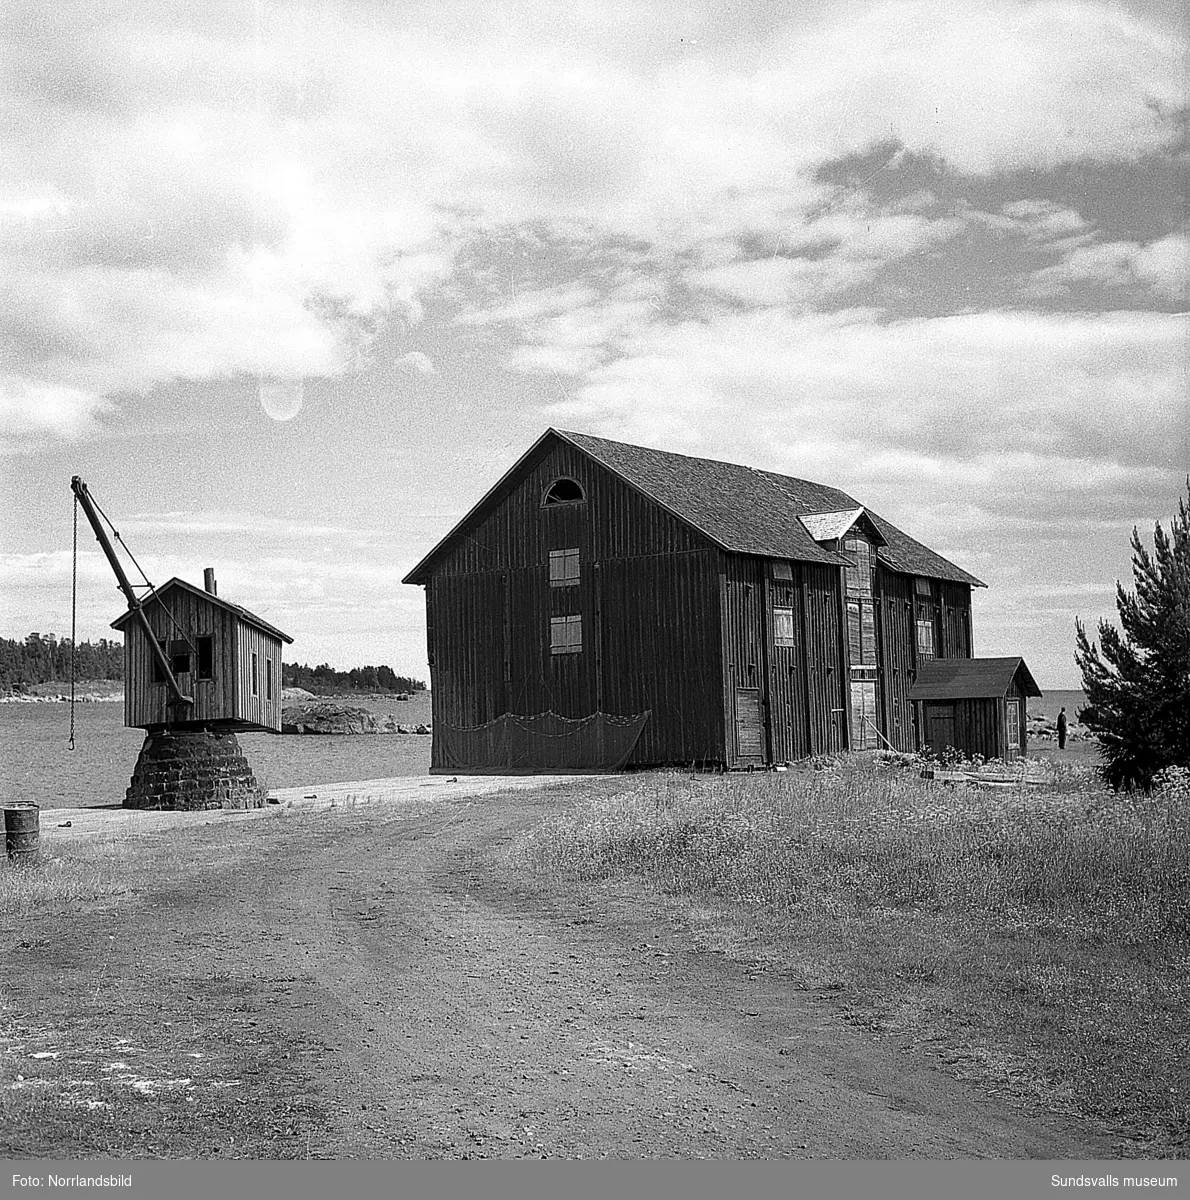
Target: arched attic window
[{"x": 564, "y": 491}]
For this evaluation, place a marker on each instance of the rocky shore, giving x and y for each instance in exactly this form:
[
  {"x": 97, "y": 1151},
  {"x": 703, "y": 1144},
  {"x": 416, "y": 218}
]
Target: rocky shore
[{"x": 306, "y": 713}]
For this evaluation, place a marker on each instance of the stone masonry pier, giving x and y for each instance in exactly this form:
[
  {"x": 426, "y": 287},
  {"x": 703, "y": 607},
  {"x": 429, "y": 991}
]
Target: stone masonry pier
[{"x": 188, "y": 769}]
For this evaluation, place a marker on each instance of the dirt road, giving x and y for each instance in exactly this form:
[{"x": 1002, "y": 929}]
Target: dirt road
[{"x": 366, "y": 984}]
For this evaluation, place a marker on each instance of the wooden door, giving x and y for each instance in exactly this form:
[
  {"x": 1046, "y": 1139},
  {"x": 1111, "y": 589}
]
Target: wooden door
[
  {"x": 939, "y": 726},
  {"x": 749, "y": 730},
  {"x": 863, "y": 715}
]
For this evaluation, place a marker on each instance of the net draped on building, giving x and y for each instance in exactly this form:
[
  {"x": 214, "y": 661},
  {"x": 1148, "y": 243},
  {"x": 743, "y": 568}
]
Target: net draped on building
[{"x": 540, "y": 743}]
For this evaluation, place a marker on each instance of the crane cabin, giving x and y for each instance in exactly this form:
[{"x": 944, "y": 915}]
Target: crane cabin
[{"x": 225, "y": 659}]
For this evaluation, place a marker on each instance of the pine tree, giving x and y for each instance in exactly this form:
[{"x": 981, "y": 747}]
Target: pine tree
[{"x": 1138, "y": 682}]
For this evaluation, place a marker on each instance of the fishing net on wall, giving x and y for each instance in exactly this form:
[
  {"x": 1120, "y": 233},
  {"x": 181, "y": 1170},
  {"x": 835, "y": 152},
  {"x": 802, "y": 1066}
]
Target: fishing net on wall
[{"x": 538, "y": 744}]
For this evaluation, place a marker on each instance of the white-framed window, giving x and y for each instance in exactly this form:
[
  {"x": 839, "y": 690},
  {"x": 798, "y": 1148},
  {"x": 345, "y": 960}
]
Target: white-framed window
[
  {"x": 1012, "y": 715},
  {"x": 566, "y": 635},
  {"x": 564, "y": 567},
  {"x": 921, "y": 586},
  {"x": 255, "y": 674},
  {"x": 925, "y": 638},
  {"x": 784, "y": 631}
]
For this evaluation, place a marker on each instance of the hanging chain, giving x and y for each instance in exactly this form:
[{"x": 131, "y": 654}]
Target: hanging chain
[{"x": 74, "y": 595}]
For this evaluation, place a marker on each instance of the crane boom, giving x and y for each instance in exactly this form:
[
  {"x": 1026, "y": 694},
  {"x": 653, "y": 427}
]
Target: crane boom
[{"x": 134, "y": 605}]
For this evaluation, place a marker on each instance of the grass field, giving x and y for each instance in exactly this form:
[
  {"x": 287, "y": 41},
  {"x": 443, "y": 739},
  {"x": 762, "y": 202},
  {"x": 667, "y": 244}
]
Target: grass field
[{"x": 1039, "y": 938}]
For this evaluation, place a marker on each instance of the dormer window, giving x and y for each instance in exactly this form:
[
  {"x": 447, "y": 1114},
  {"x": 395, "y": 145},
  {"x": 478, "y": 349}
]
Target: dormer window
[{"x": 564, "y": 491}]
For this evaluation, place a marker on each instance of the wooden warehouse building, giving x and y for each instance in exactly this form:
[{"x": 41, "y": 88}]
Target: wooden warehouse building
[
  {"x": 607, "y": 605},
  {"x": 225, "y": 657}
]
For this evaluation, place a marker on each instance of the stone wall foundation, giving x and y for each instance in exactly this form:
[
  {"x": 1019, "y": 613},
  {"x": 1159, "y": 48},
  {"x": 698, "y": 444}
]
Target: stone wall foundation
[{"x": 183, "y": 769}]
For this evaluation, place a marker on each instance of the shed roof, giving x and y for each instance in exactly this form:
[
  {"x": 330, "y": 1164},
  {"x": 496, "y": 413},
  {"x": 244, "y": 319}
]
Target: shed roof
[
  {"x": 242, "y": 613},
  {"x": 971, "y": 679},
  {"x": 741, "y": 509}
]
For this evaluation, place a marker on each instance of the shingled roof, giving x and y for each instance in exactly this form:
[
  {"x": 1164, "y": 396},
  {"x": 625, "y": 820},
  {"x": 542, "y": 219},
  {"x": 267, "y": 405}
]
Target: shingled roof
[
  {"x": 244, "y": 615},
  {"x": 970, "y": 679},
  {"x": 755, "y": 512},
  {"x": 741, "y": 509}
]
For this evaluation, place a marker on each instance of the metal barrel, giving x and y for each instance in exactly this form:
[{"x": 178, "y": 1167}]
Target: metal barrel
[{"x": 22, "y": 832}]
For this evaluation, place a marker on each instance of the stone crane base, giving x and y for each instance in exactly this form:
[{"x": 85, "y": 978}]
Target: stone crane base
[{"x": 188, "y": 769}]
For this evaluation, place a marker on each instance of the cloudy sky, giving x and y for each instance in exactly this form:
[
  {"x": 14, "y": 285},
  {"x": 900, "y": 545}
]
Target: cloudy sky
[{"x": 291, "y": 284}]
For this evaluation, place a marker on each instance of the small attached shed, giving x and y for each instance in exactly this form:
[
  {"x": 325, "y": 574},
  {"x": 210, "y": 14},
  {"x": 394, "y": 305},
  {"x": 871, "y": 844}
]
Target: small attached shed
[
  {"x": 227, "y": 658},
  {"x": 975, "y": 706}
]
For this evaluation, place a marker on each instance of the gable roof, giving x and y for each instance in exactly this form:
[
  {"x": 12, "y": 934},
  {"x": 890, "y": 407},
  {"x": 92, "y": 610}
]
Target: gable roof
[
  {"x": 752, "y": 511},
  {"x": 242, "y": 613},
  {"x": 970, "y": 679},
  {"x": 740, "y": 509},
  {"x": 830, "y": 526}
]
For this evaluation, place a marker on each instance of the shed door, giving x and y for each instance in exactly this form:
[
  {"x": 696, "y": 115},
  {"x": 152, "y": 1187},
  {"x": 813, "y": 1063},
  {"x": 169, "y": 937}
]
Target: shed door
[
  {"x": 939, "y": 726},
  {"x": 749, "y": 733},
  {"x": 863, "y": 715}
]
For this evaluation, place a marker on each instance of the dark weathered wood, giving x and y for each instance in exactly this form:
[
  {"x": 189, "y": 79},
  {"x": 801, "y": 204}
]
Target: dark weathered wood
[
  {"x": 182, "y": 614},
  {"x": 671, "y": 623}
]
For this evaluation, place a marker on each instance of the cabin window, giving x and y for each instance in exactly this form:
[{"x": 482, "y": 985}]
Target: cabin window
[
  {"x": 255, "y": 674},
  {"x": 564, "y": 569},
  {"x": 782, "y": 569},
  {"x": 861, "y": 632},
  {"x": 206, "y": 657},
  {"x": 158, "y": 670},
  {"x": 925, "y": 638},
  {"x": 179, "y": 658},
  {"x": 859, "y": 569},
  {"x": 783, "y": 628},
  {"x": 566, "y": 635},
  {"x": 268, "y": 678},
  {"x": 921, "y": 586},
  {"x": 564, "y": 491},
  {"x": 1012, "y": 712}
]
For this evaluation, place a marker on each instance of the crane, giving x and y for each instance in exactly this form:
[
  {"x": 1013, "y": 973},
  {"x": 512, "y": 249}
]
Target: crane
[{"x": 180, "y": 701}]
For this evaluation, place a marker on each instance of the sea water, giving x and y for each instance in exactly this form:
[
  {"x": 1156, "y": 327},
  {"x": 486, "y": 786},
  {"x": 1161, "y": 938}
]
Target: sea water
[{"x": 36, "y": 762}]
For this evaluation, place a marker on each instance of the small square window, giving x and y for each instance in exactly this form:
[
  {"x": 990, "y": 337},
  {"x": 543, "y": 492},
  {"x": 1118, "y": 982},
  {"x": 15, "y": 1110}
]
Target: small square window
[
  {"x": 921, "y": 586},
  {"x": 566, "y": 635},
  {"x": 564, "y": 568},
  {"x": 782, "y": 569},
  {"x": 783, "y": 627}
]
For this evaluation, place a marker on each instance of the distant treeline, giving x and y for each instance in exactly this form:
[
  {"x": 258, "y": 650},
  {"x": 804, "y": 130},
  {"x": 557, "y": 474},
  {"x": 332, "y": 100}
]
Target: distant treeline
[
  {"x": 42, "y": 657},
  {"x": 325, "y": 679}
]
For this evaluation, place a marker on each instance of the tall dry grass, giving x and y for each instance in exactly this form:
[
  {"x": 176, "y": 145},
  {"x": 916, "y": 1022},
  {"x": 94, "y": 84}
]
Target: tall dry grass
[
  {"x": 69, "y": 874},
  {"x": 1043, "y": 930}
]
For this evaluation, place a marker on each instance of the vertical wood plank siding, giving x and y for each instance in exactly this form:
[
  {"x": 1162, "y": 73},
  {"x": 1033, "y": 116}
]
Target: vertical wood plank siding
[
  {"x": 669, "y": 623},
  {"x": 647, "y": 596},
  {"x": 898, "y": 651},
  {"x": 257, "y": 709},
  {"x": 219, "y": 699}
]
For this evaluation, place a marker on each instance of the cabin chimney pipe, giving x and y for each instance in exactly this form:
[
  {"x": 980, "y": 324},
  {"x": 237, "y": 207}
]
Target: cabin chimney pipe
[{"x": 208, "y": 580}]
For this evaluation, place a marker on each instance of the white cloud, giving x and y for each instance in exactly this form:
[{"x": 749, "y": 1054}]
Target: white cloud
[
  {"x": 1162, "y": 267},
  {"x": 194, "y": 195},
  {"x": 1088, "y": 404}
]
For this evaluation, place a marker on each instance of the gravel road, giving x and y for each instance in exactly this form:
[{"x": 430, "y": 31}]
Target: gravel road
[{"x": 366, "y": 983}]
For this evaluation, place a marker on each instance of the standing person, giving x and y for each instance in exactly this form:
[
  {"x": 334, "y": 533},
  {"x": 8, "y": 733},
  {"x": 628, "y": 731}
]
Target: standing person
[{"x": 1062, "y": 730}]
